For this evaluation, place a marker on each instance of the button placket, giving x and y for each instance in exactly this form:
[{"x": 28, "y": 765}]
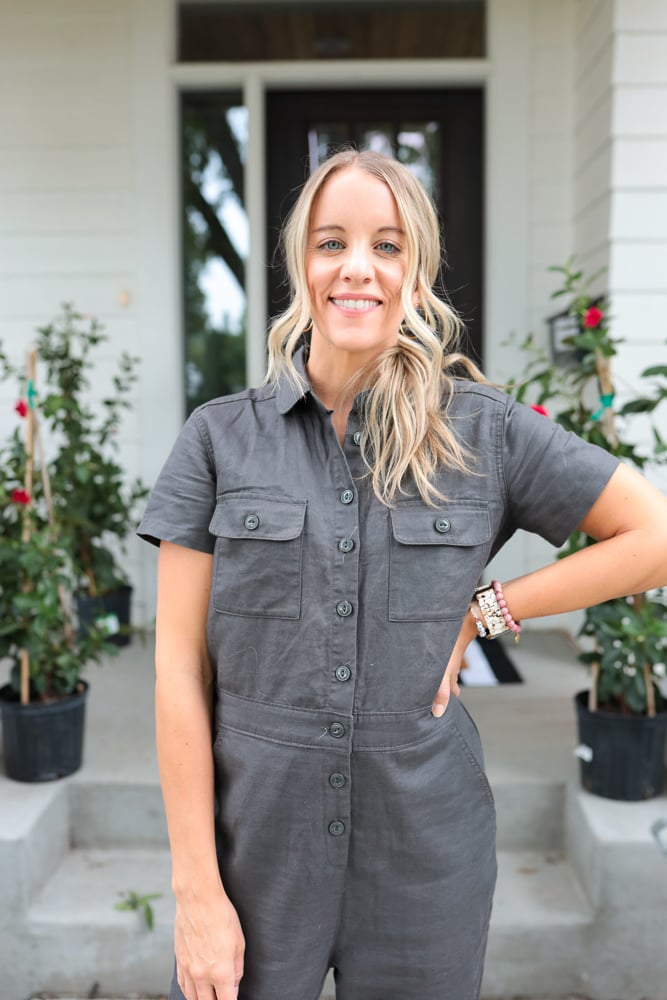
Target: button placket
[{"x": 344, "y": 609}]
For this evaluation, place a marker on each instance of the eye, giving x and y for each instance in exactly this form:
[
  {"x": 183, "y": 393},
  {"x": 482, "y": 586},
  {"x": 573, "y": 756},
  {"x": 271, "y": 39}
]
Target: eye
[
  {"x": 330, "y": 245},
  {"x": 386, "y": 246}
]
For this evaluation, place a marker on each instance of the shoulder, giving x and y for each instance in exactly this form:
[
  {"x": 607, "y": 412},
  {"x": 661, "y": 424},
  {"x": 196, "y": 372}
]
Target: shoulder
[
  {"x": 467, "y": 394},
  {"x": 477, "y": 400},
  {"x": 236, "y": 401}
]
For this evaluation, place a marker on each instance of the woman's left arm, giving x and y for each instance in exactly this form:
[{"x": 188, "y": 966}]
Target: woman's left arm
[{"x": 629, "y": 522}]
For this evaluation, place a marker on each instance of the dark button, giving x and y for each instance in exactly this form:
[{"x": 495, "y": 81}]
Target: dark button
[
  {"x": 344, "y": 609},
  {"x": 251, "y": 521},
  {"x": 336, "y": 780},
  {"x": 337, "y": 729},
  {"x": 343, "y": 673},
  {"x": 442, "y": 525},
  {"x": 346, "y": 544},
  {"x": 347, "y": 496},
  {"x": 356, "y": 437},
  {"x": 336, "y": 828}
]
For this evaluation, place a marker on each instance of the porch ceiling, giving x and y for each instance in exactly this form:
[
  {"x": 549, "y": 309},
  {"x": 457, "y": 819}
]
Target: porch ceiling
[{"x": 249, "y": 32}]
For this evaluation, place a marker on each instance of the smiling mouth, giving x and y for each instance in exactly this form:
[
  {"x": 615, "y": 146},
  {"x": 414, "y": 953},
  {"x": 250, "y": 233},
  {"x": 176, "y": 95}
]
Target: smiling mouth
[{"x": 360, "y": 305}]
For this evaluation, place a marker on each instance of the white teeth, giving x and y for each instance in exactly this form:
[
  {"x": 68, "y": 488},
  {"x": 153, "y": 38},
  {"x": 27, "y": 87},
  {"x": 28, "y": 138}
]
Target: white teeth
[{"x": 356, "y": 303}]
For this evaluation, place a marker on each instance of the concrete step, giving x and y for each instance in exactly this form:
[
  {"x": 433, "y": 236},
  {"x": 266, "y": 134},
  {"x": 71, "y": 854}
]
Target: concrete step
[
  {"x": 540, "y": 919},
  {"x": 83, "y": 940},
  {"x": 530, "y": 814}
]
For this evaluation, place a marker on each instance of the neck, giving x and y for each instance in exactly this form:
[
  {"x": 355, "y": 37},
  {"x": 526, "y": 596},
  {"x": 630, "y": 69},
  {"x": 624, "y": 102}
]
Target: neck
[{"x": 330, "y": 373}]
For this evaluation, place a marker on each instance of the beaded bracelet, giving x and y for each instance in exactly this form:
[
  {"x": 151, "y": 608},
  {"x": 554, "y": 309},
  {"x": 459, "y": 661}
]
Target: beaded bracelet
[
  {"x": 512, "y": 625},
  {"x": 496, "y": 615}
]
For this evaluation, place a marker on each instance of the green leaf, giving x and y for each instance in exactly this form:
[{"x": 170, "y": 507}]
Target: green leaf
[{"x": 641, "y": 405}]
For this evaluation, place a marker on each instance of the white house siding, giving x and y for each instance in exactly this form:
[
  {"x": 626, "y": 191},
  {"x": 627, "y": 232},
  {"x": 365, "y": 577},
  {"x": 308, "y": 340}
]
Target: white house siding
[
  {"x": 638, "y": 225},
  {"x": 620, "y": 177},
  {"x": 593, "y": 103},
  {"x": 78, "y": 221}
]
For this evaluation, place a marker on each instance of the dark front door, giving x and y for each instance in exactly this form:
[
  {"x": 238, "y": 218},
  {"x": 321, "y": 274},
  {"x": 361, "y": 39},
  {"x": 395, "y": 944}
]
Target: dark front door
[{"x": 437, "y": 133}]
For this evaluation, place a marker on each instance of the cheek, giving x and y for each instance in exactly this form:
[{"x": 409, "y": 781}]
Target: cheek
[{"x": 316, "y": 278}]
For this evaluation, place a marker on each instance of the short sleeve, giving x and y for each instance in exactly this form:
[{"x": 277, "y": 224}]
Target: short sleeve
[
  {"x": 182, "y": 501},
  {"x": 552, "y": 477}
]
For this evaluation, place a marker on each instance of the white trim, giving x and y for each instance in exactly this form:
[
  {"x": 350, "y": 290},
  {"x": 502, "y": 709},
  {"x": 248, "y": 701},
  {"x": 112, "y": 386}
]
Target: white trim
[
  {"x": 158, "y": 299},
  {"x": 506, "y": 288},
  {"x": 255, "y": 198},
  {"x": 351, "y": 73}
]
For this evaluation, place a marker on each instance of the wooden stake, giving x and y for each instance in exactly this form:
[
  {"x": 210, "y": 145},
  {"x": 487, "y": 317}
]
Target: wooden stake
[
  {"x": 606, "y": 388},
  {"x": 50, "y": 513},
  {"x": 593, "y": 691},
  {"x": 650, "y": 692},
  {"x": 26, "y": 529}
]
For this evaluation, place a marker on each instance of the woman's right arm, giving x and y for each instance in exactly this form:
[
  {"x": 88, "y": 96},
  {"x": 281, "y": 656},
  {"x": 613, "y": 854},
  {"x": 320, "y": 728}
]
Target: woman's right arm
[{"x": 209, "y": 942}]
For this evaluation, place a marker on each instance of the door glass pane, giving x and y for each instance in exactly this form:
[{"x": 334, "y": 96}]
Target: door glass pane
[
  {"x": 378, "y": 138},
  {"x": 215, "y": 245},
  {"x": 417, "y": 144}
]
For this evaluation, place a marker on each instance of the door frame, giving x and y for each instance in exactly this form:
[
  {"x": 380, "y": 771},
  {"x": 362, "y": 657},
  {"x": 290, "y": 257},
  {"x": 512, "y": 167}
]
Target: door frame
[{"x": 254, "y": 80}]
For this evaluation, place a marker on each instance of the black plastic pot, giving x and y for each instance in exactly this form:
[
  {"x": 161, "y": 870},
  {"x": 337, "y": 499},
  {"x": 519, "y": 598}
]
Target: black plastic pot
[
  {"x": 115, "y": 605},
  {"x": 42, "y": 741},
  {"x": 628, "y": 752}
]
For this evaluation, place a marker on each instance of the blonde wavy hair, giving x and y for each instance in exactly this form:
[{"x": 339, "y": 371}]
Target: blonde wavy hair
[{"x": 405, "y": 433}]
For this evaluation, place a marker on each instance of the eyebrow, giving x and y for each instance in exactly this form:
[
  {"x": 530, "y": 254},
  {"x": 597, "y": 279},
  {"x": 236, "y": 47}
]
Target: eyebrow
[{"x": 341, "y": 229}]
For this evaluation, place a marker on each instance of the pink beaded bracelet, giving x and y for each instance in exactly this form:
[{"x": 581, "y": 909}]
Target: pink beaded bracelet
[{"x": 505, "y": 611}]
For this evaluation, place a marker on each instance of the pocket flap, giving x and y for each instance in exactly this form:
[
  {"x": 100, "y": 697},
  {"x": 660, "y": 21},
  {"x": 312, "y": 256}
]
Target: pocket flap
[
  {"x": 456, "y": 523},
  {"x": 254, "y": 517}
]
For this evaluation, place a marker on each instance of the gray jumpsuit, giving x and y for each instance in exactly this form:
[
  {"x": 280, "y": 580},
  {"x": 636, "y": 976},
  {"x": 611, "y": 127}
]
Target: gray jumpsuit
[{"x": 355, "y": 830}]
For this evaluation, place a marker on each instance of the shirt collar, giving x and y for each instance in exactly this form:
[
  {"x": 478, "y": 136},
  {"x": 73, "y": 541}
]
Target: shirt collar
[{"x": 289, "y": 392}]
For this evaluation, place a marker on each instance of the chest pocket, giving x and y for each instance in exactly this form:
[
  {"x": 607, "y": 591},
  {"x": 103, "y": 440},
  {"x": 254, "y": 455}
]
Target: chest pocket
[
  {"x": 257, "y": 564},
  {"x": 435, "y": 559}
]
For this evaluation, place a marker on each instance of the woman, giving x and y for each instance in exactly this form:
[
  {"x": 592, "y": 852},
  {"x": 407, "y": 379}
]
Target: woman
[{"x": 322, "y": 538}]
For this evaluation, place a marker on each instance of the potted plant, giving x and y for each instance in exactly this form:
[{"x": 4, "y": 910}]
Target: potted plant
[
  {"x": 94, "y": 502},
  {"x": 623, "y": 717},
  {"x": 43, "y": 705}
]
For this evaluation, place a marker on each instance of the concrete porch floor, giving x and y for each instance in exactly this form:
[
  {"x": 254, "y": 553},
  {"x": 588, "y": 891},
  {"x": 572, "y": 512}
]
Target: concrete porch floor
[{"x": 582, "y": 892}]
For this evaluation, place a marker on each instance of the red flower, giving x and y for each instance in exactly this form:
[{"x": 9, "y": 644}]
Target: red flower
[
  {"x": 592, "y": 317},
  {"x": 21, "y": 408},
  {"x": 20, "y": 496},
  {"x": 540, "y": 409}
]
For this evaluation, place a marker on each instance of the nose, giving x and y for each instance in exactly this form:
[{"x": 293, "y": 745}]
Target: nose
[{"x": 357, "y": 264}]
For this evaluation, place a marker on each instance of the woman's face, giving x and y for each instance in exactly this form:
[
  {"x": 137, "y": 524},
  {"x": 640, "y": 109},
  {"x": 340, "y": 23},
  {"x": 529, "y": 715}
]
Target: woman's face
[{"x": 355, "y": 266}]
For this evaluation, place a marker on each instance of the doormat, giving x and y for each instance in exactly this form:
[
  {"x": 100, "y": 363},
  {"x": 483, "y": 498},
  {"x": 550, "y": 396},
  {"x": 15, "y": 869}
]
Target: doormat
[{"x": 486, "y": 663}]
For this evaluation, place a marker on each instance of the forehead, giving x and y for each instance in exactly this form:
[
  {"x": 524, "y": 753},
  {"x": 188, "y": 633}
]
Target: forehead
[{"x": 354, "y": 193}]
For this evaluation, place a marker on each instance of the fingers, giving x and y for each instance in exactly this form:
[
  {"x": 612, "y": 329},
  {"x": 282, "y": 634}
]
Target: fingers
[
  {"x": 204, "y": 989},
  {"x": 442, "y": 697},
  {"x": 449, "y": 686}
]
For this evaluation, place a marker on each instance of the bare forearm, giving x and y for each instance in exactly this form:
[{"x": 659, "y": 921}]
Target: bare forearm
[
  {"x": 183, "y": 721},
  {"x": 626, "y": 564}
]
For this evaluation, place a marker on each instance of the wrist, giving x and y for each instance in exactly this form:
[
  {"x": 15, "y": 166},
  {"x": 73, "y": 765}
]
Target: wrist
[
  {"x": 198, "y": 888},
  {"x": 491, "y": 614}
]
